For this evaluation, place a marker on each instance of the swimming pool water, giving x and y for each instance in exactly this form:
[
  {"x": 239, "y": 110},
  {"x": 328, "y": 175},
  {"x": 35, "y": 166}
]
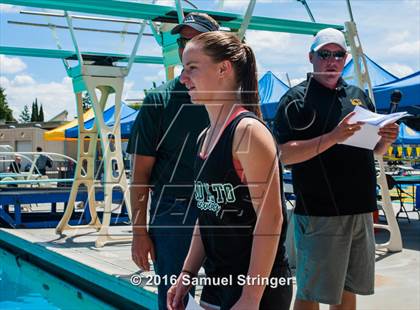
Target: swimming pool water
[{"x": 25, "y": 286}]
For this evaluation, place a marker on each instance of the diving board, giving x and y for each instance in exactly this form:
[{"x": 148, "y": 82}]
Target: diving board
[
  {"x": 167, "y": 14},
  {"x": 163, "y": 18},
  {"x": 64, "y": 54}
]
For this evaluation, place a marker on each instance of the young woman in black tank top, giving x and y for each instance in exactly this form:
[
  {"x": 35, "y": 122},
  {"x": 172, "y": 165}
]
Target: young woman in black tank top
[{"x": 240, "y": 234}]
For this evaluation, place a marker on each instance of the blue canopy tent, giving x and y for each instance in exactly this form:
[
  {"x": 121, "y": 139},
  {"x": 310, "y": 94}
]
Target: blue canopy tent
[
  {"x": 410, "y": 88},
  {"x": 407, "y": 136},
  {"x": 271, "y": 89},
  {"x": 128, "y": 115},
  {"x": 377, "y": 74},
  {"x": 126, "y": 122}
]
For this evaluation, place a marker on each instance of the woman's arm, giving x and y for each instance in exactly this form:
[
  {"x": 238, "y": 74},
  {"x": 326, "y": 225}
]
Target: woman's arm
[
  {"x": 192, "y": 264},
  {"x": 294, "y": 152},
  {"x": 196, "y": 253},
  {"x": 255, "y": 148}
]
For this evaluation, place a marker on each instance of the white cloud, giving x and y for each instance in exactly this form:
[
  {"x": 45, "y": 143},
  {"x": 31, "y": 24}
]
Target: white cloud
[
  {"x": 261, "y": 69},
  {"x": 280, "y": 53},
  {"x": 130, "y": 93},
  {"x": 270, "y": 41},
  {"x": 10, "y": 65},
  {"x": 4, "y": 81},
  {"x": 8, "y": 8},
  {"x": 158, "y": 77},
  {"x": 243, "y": 4},
  {"x": 235, "y": 4},
  {"x": 134, "y": 95},
  {"x": 397, "y": 69},
  {"x": 413, "y": 4},
  {"x": 406, "y": 49},
  {"x": 54, "y": 96},
  {"x": 296, "y": 81},
  {"x": 22, "y": 80},
  {"x": 128, "y": 86},
  {"x": 166, "y": 2},
  {"x": 395, "y": 37}
]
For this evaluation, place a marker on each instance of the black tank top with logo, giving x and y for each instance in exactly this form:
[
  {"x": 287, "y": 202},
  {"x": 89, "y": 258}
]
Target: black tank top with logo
[{"x": 226, "y": 215}]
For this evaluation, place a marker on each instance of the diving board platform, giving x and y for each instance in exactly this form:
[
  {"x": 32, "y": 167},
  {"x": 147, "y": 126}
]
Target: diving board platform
[
  {"x": 167, "y": 14},
  {"x": 70, "y": 55}
]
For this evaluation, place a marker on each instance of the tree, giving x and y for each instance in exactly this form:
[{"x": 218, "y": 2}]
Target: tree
[
  {"x": 5, "y": 111},
  {"x": 41, "y": 114},
  {"x": 86, "y": 102},
  {"x": 25, "y": 115},
  {"x": 37, "y": 114},
  {"x": 34, "y": 114}
]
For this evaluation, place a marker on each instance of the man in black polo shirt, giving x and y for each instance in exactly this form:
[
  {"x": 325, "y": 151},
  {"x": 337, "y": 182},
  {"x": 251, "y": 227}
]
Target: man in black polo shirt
[
  {"x": 335, "y": 184},
  {"x": 163, "y": 147}
]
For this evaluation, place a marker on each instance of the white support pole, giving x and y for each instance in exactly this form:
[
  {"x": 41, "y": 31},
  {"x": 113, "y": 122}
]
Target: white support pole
[
  {"x": 308, "y": 10},
  {"x": 106, "y": 80},
  {"x": 85, "y": 17},
  {"x": 84, "y": 174},
  {"x": 395, "y": 242},
  {"x": 179, "y": 10},
  {"x": 361, "y": 73},
  {"x": 220, "y": 5},
  {"x": 247, "y": 19},
  {"x": 114, "y": 173},
  {"x": 73, "y": 37},
  {"x": 136, "y": 46}
]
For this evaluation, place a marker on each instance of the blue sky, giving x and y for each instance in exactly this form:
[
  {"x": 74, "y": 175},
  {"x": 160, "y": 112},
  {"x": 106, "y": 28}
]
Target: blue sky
[{"x": 389, "y": 31}]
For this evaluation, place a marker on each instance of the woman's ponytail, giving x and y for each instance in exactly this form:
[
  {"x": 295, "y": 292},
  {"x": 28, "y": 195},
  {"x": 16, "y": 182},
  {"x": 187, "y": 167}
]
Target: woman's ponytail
[{"x": 249, "y": 84}]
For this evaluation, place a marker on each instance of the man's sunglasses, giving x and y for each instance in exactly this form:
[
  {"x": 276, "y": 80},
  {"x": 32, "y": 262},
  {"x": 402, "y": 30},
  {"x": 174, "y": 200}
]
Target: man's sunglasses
[
  {"x": 182, "y": 42},
  {"x": 324, "y": 54}
]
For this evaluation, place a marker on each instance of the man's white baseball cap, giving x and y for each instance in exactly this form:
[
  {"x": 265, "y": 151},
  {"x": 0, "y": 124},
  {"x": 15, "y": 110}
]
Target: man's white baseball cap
[{"x": 328, "y": 36}]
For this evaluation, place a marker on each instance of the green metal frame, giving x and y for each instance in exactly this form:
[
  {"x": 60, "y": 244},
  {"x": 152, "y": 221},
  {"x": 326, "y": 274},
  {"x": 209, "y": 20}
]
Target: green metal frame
[
  {"x": 168, "y": 14},
  {"x": 63, "y": 54}
]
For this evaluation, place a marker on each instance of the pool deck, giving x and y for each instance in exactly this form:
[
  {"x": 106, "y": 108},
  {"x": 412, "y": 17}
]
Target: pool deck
[{"x": 110, "y": 268}]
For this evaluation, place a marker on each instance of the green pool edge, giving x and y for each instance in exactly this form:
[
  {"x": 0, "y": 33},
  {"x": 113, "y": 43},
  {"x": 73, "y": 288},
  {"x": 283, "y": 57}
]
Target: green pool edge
[{"x": 111, "y": 289}]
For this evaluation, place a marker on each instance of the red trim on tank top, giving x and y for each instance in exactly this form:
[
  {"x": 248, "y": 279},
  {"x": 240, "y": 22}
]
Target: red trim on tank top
[
  {"x": 236, "y": 163},
  {"x": 239, "y": 171}
]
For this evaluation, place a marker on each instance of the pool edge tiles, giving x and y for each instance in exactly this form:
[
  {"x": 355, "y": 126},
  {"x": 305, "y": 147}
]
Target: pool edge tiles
[{"x": 108, "y": 286}]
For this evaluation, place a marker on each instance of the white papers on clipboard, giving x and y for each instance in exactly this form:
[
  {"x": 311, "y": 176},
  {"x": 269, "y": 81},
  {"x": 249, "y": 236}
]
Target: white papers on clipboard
[
  {"x": 367, "y": 137},
  {"x": 192, "y": 304}
]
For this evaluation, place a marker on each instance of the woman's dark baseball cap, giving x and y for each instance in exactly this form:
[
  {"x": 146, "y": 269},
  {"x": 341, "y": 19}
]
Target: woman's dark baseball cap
[{"x": 198, "y": 22}]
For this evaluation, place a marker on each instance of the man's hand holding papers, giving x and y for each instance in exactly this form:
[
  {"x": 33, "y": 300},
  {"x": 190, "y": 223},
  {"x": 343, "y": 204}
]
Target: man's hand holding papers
[
  {"x": 345, "y": 129},
  {"x": 375, "y": 126}
]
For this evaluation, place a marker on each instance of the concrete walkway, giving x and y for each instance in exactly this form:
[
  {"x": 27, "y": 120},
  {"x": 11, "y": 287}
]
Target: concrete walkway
[{"x": 397, "y": 274}]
